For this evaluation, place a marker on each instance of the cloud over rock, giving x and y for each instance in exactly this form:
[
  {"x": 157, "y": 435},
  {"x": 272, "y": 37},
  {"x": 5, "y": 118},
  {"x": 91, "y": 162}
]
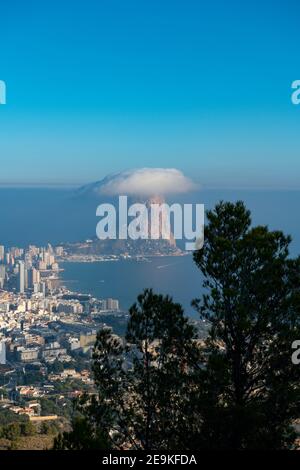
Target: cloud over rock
[{"x": 145, "y": 182}]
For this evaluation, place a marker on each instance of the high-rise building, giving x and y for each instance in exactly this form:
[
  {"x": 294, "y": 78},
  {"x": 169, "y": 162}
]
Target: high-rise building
[
  {"x": 43, "y": 288},
  {"x": 21, "y": 277},
  {"x": 2, "y": 253},
  {"x": 2, "y": 275},
  {"x": 112, "y": 304},
  {"x": 33, "y": 277},
  {"x": 2, "y": 352}
]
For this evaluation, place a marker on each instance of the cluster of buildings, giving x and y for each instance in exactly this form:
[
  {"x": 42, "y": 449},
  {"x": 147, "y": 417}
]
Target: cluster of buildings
[
  {"x": 43, "y": 324},
  {"x": 34, "y": 269}
]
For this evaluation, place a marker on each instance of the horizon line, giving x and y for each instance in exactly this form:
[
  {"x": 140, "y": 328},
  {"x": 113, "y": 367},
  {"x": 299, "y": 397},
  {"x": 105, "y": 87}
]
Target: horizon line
[{"x": 66, "y": 185}]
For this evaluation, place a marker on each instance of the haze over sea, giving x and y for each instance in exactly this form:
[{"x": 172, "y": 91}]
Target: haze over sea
[{"x": 42, "y": 215}]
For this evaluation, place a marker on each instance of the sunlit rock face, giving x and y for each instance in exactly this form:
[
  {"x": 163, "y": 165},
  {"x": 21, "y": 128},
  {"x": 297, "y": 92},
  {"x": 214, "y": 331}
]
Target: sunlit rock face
[
  {"x": 160, "y": 226},
  {"x": 163, "y": 243},
  {"x": 149, "y": 186}
]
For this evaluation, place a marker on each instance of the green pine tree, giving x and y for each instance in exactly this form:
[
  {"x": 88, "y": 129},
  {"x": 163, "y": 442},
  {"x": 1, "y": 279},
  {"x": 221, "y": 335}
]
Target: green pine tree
[{"x": 249, "y": 389}]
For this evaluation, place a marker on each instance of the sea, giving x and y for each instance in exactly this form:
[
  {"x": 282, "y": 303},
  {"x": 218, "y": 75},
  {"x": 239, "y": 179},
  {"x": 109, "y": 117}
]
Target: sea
[
  {"x": 55, "y": 215},
  {"x": 125, "y": 280}
]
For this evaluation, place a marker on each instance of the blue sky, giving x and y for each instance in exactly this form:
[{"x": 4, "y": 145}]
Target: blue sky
[{"x": 100, "y": 86}]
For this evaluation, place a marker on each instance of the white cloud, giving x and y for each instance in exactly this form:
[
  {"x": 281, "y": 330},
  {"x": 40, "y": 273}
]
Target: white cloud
[{"x": 146, "y": 182}]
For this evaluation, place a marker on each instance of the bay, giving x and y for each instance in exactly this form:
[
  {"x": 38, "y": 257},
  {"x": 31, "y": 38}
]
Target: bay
[{"x": 125, "y": 280}]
